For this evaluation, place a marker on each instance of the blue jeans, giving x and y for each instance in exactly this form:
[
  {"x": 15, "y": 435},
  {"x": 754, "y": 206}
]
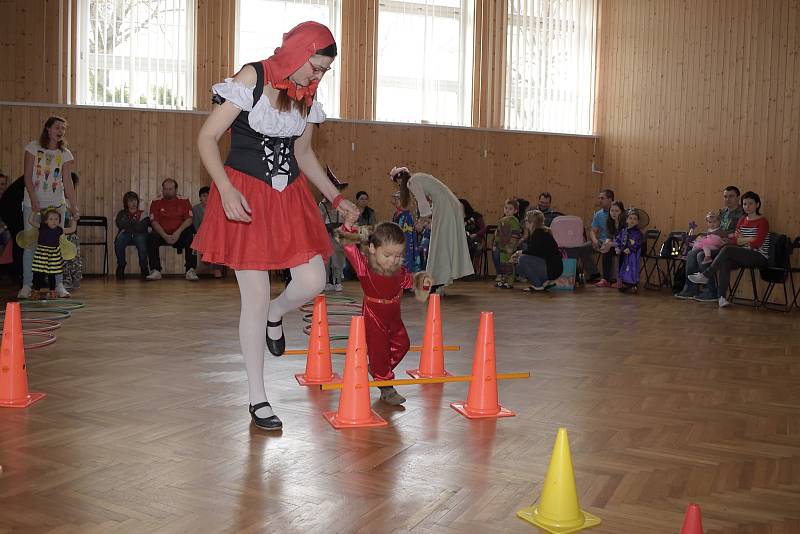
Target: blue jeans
[
  {"x": 27, "y": 254},
  {"x": 533, "y": 268},
  {"x": 126, "y": 239},
  {"x": 693, "y": 261}
]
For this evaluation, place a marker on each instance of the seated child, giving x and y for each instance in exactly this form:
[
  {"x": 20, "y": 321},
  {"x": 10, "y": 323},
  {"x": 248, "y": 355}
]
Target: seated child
[
  {"x": 713, "y": 239},
  {"x": 378, "y": 262}
]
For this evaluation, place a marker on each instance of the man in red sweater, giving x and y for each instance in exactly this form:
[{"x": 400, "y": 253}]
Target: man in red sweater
[{"x": 171, "y": 220}]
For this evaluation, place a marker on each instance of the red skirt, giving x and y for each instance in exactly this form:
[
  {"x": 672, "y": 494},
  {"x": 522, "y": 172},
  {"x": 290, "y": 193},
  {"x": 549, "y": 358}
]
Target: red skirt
[{"x": 286, "y": 228}]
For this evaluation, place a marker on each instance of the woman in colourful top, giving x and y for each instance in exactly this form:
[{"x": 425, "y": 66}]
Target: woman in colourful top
[
  {"x": 260, "y": 213},
  {"x": 402, "y": 217},
  {"x": 748, "y": 248},
  {"x": 47, "y": 161}
]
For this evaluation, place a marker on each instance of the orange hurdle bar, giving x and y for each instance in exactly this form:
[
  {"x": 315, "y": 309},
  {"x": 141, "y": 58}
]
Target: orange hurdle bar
[
  {"x": 413, "y": 348},
  {"x": 438, "y": 380}
]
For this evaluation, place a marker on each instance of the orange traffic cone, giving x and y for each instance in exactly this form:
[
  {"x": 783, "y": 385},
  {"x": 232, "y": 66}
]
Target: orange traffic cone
[
  {"x": 13, "y": 374},
  {"x": 482, "y": 396},
  {"x": 692, "y": 523},
  {"x": 354, "y": 409},
  {"x": 319, "y": 369},
  {"x": 431, "y": 358}
]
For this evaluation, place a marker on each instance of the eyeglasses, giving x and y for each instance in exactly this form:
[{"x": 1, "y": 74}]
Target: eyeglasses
[{"x": 317, "y": 69}]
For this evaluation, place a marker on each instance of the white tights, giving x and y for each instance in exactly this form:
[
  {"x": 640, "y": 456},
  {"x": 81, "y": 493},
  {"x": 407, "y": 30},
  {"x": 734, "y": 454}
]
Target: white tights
[{"x": 308, "y": 280}]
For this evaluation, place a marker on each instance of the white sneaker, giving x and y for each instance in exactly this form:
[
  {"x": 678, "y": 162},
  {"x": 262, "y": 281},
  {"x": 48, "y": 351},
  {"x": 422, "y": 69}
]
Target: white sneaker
[
  {"x": 191, "y": 275},
  {"x": 24, "y": 292},
  {"x": 154, "y": 275},
  {"x": 338, "y": 287},
  {"x": 328, "y": 287},
  {"x": 698, "y": 278},
  {"x": 61, "y": 292},
  {"x": 723, "y": 302}
]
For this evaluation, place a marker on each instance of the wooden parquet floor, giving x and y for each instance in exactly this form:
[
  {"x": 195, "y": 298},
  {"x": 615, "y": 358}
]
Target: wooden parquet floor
[{"x": 145, "y": 426}]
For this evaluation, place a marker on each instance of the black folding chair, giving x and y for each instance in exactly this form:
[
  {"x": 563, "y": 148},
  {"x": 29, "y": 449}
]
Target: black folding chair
[
  {"x": 650, "y": 260},
  {"x": 95, "y": 221},
  {"x": 783, "y": 275},
  {"x": 482, "y": 269},
  {"x": 753, "y": 301}
]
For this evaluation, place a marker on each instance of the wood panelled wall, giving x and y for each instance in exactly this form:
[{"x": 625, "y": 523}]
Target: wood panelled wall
[
  {"x": 117, "y": 150},
  {"x": 215, "y": 26},
  {"x": 695, "y": 95}
]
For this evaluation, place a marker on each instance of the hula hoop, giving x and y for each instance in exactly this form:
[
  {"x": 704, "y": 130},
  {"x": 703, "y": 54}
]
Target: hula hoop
[
  {"x": 339, "y": 298},
  {"x": 332, "y": 337},
  {"x": 62, "y": 304},
  {"x": 39, "y": 325},
  {"x": 309, "y": 307},
  {"x": 55, "y": 314},
  {"x": 49, "y": 339}
]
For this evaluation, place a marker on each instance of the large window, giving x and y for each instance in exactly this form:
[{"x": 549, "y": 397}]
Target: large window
[
  {"x": 136, "y": 53},
  {"x": 550, "y": 65},
  {"x": 425, "y": 61},
  {"x": 260, "y": 27}
]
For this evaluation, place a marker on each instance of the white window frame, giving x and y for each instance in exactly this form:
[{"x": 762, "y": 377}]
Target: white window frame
[
  {"x": 463, "y": 86},
  {"x": 332, "y": 108},
  {"x": 143, "y": 63},
  {"x": 544, "y": 92}
]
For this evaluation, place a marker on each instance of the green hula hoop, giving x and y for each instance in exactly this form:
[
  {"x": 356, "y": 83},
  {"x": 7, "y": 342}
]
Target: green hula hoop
[
  {"x": 56, "y": 314},
  {"x": 61, "y": 304}
]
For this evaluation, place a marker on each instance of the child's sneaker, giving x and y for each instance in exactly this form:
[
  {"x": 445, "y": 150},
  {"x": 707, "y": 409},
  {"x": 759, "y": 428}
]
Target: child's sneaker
[
  {"x": 328, "y": 287},
  {"x": 602, "y": 283},
  {"x": 338, "y": 287},
  {"x": 61, "y": 292},
  {"x": 24, "y": 293},
  {"x": 498, "y": 278},
  {"x": 390, "y": 396}
]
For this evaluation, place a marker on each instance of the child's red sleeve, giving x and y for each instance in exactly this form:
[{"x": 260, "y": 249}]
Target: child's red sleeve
[{"x": 408, "y": 279}]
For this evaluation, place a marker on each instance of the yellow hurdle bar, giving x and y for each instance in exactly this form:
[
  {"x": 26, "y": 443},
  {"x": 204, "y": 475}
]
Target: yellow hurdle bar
[
  {"x": 413, "y": 348},
  {"x": 440, "y": 380}
]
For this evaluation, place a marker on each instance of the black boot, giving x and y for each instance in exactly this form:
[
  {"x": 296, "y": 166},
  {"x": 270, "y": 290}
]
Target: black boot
[{"x": 276, "y": 346}]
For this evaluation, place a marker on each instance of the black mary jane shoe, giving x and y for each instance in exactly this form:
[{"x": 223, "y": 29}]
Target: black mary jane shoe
[
  {"x": 265, "y": 423},
  {"x": 276, "y": 346}
]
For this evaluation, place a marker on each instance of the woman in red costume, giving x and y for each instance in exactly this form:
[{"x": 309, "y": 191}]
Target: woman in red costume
[
  {"x": 261, "y": 215},
  {"x": 383, "y": 279}
]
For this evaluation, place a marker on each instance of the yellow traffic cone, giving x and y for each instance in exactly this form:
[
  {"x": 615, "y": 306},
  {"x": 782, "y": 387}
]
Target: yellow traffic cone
[{"x": 558, "y": 510}]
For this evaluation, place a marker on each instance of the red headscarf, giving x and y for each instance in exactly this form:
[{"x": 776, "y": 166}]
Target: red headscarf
[{"x": 299, "y": 44}]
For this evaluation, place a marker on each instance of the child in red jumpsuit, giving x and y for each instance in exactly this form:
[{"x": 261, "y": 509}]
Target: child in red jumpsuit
[{"x": 383, "y": 278}]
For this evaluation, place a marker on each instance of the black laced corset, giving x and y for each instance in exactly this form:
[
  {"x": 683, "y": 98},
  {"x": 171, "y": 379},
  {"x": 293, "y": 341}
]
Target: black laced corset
[{"x": 261, "y": 156}]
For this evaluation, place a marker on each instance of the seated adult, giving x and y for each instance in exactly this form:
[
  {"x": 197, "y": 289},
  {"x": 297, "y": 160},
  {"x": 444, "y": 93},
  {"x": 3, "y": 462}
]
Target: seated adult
[
  {"x": 748, "y": 248},
  {"x": 599, "y": 235},
  {"x": 198, "y": 211},
  {"x": 729, "y": 216},
  {"x": 545, "y": 205},
  {"x": 11, "y": 214},
  {"x": 171, "y": 220},
  {"x": 539, "y": 260},
  {"x": 132, "y": 224},
  {"x": 367, "y": 217},
  {"x": 475, "y": 229}
]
